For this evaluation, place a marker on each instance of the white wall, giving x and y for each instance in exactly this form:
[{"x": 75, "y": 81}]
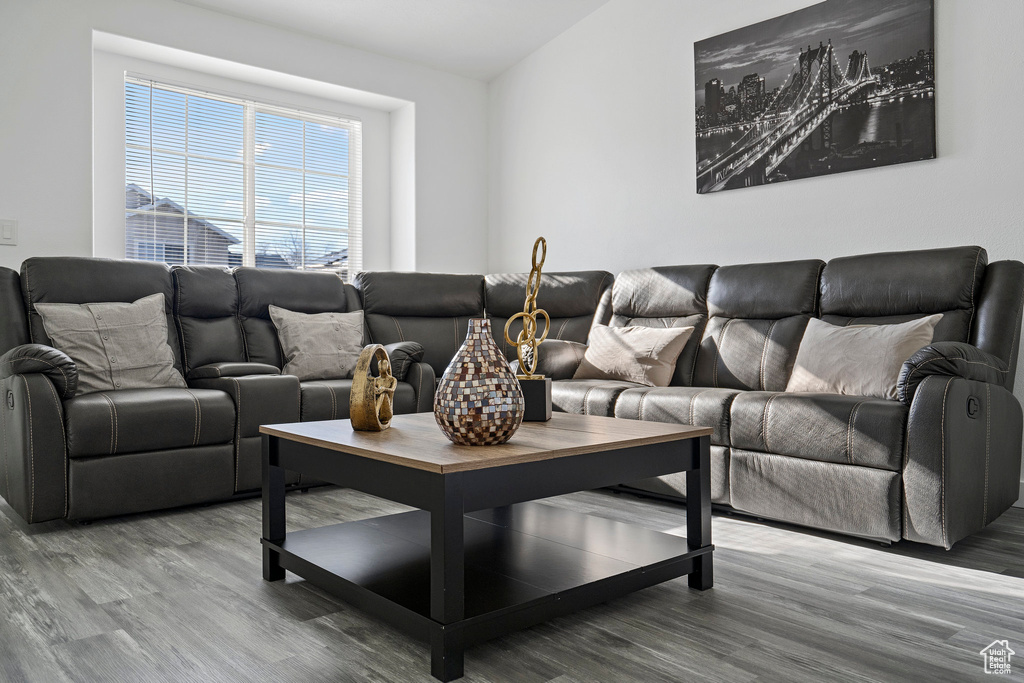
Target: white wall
[
  {"x": 592, "y": 146},
  {"x": 46, "y": 124}
]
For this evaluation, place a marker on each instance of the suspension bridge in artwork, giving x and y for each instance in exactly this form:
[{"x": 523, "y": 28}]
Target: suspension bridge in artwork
[{"x": 815, "y": 89}]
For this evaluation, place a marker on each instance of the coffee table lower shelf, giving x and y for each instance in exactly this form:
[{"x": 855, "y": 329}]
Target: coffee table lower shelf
[{"x": 524, "y": 564}]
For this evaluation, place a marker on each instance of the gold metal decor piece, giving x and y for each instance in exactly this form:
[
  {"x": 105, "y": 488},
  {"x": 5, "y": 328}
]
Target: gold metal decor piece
[
  {"x": 370, "y": 405},
  {"x": 526, "y": 342}
]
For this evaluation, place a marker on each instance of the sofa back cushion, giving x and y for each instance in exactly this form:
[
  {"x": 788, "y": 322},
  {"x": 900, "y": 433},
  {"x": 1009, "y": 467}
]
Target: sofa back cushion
[
  {"x": 80, "y": 280},
  {"x": 570, "y": 300},
  {"x": 430, "y": 308},
  {"x": 757, "y": 317},
  {"x": 300, "y": 291},
  {"x": 13, "y": 323},
  {"x": 895, "y": 287},
  {"x": 206, "y": 312},
  {"x": 665, "y": 296}
]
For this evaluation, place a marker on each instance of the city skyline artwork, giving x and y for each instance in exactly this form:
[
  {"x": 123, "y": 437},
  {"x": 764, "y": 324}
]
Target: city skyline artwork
[{"x": 839, "y": 86}]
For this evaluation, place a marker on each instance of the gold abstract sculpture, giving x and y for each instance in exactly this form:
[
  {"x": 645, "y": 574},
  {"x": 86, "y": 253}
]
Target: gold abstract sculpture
[
  {"x": 370, "y": 405},
  {"x": 526, "y": 342}
]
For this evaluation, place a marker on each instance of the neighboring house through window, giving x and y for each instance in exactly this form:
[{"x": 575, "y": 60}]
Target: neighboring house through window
[{"x": 217, "y": 180}]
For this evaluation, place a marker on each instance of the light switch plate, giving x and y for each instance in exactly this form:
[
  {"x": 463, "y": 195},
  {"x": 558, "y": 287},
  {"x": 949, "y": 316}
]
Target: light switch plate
[{"x": 8, "y": 232}]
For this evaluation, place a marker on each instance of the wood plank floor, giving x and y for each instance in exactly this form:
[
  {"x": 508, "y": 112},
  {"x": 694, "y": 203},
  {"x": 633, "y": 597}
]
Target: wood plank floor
[{"x": 177, "y": 596}]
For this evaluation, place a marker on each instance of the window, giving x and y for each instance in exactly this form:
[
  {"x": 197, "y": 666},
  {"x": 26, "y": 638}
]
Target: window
[{"x": 218, "y": 180}]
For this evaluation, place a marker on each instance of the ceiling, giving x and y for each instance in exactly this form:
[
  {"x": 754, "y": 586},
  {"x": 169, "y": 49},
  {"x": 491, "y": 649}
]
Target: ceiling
[{"x": 474, "y": 38}]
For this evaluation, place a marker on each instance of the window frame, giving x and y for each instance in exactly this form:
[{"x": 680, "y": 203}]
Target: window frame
[{"x": 251, "y": 108}]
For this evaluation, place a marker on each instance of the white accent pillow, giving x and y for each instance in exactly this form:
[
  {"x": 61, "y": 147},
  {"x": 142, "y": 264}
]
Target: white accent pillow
[
  {"x": 858, "y": 360},
  {"x": 644, "y": 355}
]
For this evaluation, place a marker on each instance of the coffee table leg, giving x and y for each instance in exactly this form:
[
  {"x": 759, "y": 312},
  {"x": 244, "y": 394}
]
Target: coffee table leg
[
  {"x": 447, "y": 577},
  {"x": 698, "y": 514},
  {"x": 273, "y": 509}
]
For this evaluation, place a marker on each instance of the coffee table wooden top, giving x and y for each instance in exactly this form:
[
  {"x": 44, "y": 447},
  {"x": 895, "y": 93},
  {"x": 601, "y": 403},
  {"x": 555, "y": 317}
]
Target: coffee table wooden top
[{"x": 416, "y": 441}]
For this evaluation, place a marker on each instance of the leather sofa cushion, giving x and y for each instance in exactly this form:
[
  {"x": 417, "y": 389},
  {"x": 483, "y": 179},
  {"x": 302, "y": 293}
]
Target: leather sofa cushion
[
  {"x": 440, "y": 337},
  {"x": 749, "y": 354},
  {"x": 327, "y": 399},
  {"x": 81, "y": 280},
  {"x": 437, "y": 295},
  {"x": 765, "y": 290},
  {"x": 588, "y": 396},
  {"x": 299, "y": 291},
  {"x": 852, "y": 500},
  {"x": 895, "y": 287},
  {"x": 562, "y": 295},
  {"x": 698, "y": 406},
  {"x": 662, "y": 292},
  {"x": 900, "y": 283},
  {"x": 570, "y": 300},
  {"x": 852, "y": 430},
  {"x": 139, "y": 420},
  {"x": 206, "y": 312}
]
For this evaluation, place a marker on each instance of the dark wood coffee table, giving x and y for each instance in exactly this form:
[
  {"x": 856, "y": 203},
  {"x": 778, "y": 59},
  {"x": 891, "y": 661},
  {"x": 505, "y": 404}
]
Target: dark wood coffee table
[{"x": 476, "y": 560}]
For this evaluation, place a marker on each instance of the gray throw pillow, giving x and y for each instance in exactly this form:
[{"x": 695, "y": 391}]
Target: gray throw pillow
[
  {"x": 114, "y": 345},
  {"x": 644, "y": 355},
  {"x": 319, "y": 345},
  {"x": 858, "y": 360}
]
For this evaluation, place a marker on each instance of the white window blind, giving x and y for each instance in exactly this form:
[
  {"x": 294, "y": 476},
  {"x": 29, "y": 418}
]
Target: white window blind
[{"x": 218, "y": 180}]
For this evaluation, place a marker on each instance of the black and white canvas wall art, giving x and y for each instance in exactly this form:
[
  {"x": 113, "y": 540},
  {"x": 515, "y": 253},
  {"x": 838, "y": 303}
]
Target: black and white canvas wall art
[{"x": 842, "y": 85}]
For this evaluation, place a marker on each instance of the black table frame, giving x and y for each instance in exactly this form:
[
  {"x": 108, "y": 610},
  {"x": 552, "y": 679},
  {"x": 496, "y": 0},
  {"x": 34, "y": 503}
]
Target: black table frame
[{"x": 449, "y": 497}]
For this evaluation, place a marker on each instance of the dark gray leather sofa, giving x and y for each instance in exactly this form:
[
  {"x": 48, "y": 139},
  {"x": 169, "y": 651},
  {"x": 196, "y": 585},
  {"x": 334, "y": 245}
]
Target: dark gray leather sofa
[{"x": 934, "y": 467}]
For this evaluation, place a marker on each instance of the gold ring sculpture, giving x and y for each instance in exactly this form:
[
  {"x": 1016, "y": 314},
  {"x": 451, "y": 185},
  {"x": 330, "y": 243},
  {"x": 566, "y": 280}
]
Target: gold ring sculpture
[
  {"x": 526, "y": 342},
  {"x": 371, "y": 404}
]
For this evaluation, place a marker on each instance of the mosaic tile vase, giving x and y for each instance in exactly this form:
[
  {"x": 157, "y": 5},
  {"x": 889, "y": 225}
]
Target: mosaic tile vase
[{"x": 478, "y": 401}]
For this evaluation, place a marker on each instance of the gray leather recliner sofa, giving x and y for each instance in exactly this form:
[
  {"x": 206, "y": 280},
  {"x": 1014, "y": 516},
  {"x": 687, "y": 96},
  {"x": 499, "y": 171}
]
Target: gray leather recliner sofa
[{"x": 935, "y": 466}]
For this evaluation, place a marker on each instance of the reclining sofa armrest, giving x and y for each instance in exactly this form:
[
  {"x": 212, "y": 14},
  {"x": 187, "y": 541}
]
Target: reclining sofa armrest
[
  {"x": 557, "y": 358},
  {"x": 421, "y": 377},
  {"x": 949, "y": 359},
  {"x": 45, "y": 360},
  {"x": 259, "y": 399},
  {"x": 403, "y": 355},
  {"x": 215, "y": 370},
  {"x": 961, "y": 468},
  {"x": 33, "y": 451}
]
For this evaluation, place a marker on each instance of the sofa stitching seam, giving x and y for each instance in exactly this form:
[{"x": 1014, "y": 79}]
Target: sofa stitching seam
[
  {"x": 3, "y": 429},
  {"x": 195, "y": 432},
  {"x": 238, "y": 426},
  {"x": 10, "y": 363},
  {"x": 974, "y": 282},
  {"x": 177, "y": 324},
  {"x": 765, "y": 422},
  {"x": 334, "y": 402},
  {"x": 851, "y": 424},
  {"x": 764, "y": 352},
  {"x": 113, "y": 425},
  {"x": 942, "y": 472},
  {"x": 401, "y": 336},
  {"x": 64, "y": 443},
  {"x": 31, "y": 454},
  {"x": 718, "y": 351},
  {"x": 917, "y": 368},
  {"x": 988, "y": 452}
]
